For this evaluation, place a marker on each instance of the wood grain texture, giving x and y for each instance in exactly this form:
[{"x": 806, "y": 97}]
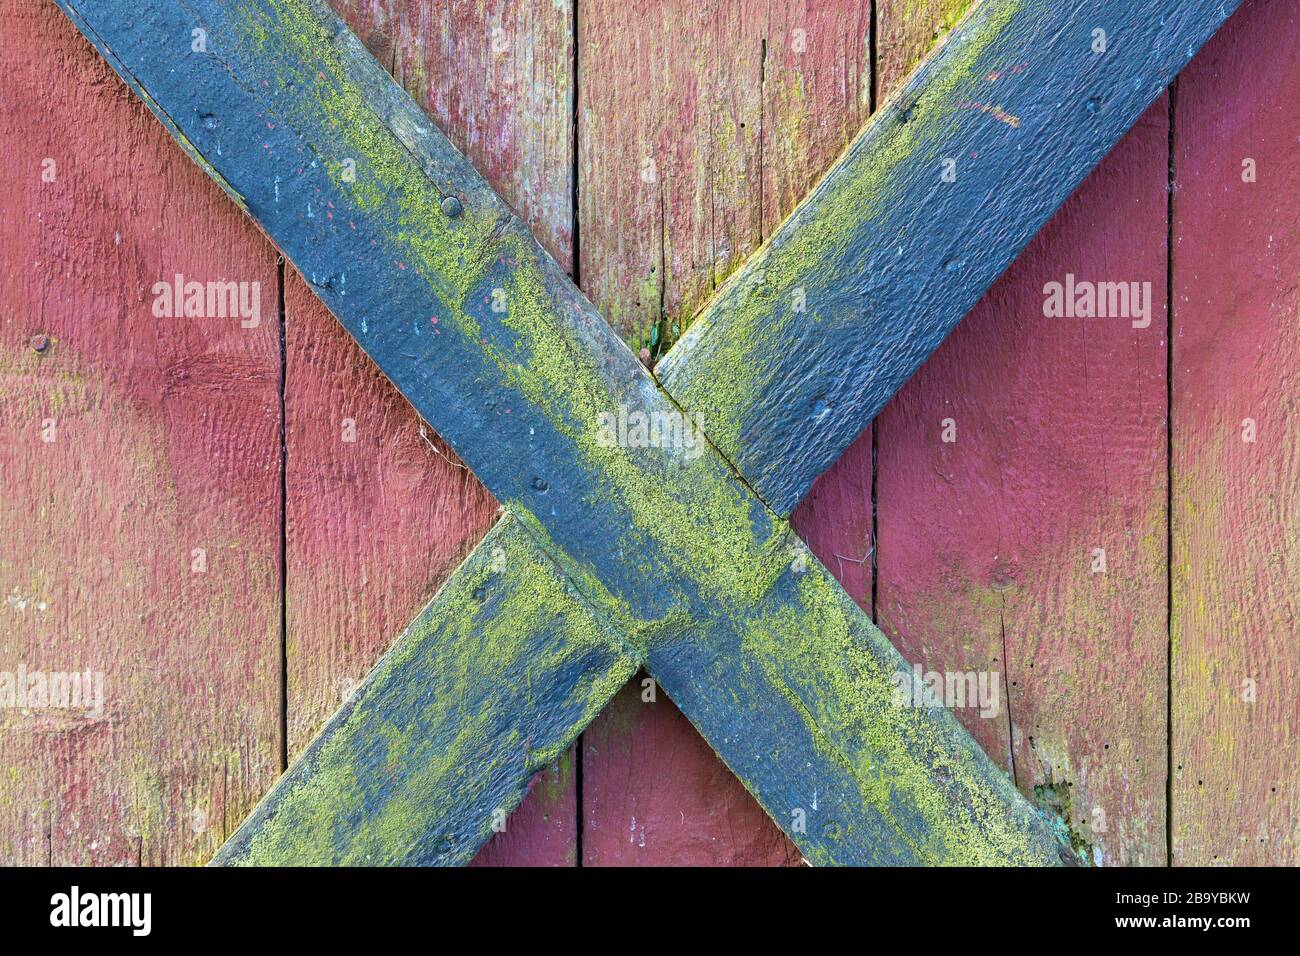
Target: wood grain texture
[
  {"x": 165, "y": 440},
  {"x": 378, "y": 513},
  {"x": 701, "y": 124},
  {"x": 907, "y": 31},
  {"x": 439, "y": 743},
  {"x": 837, "y": 518},
  {"x": 1236, "y": 527},
  {"x": 486, "y": 336},
  {"x": 376, "y": 524},
  {"x": 981, "y": 540},
  {"x": 775, "y": 365},
  {"x": 740, "y": 106},
  {"x": 655, "y": 794},
  {"x": 1060, "y": 438}
]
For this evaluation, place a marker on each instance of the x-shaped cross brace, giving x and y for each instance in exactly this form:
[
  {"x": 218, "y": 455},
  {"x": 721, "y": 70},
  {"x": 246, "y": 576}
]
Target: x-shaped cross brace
[{"x": 609, "y": 557}]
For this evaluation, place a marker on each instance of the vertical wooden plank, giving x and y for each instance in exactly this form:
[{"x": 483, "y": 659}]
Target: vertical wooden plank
[
  {"x": 815, "y": 96},
  {"x": 669, "y": 115},
  {"x": 654, "y": 793},
  {"x": 1236, "y": 445},
  {"x": 139, "y": 529},
  {"x": 701, "y": 125},
  {"x": 497, "y": 78},
  {"x": 379, "y": 510},
  {"x": 987, "y": 541}
]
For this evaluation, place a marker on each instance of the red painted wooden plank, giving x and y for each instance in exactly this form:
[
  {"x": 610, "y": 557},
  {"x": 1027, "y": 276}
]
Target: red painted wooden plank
[
  {"x": 653, "y": 794},
  {"x": 701, "y": 125},
  {"x": 497, "y": 77},
  {"x": 986, "y": 542},
  {"x": 379, "y": 511},
  {"x": 141, "y": 540},
  {"x": 376, "y": 523},
  {"x": 1236, "y": 466}
]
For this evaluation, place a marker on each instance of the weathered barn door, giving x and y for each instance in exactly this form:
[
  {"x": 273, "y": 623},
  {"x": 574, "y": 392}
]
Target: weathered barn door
[{"x": 228, "y": 520}]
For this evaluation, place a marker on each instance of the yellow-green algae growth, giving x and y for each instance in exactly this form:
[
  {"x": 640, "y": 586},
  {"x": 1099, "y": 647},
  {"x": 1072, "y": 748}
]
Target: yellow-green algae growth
[
  {"x": 432, "y": 738},
  {"x": 821, "y": 647},
  {"x": 712, "y": 370}
]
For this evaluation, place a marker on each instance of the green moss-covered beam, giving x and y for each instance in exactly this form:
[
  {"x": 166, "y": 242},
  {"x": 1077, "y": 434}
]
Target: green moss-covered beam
[
  {"x": 491, "y": 342},
  {"x": 491, "y": 682},
  {"x": 797, "y": 353}
]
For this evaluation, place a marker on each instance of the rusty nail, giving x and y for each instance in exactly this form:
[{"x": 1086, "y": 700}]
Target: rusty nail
[
  {"x": 40, "y": 342},
  {"x": 451, "y": 207}
]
